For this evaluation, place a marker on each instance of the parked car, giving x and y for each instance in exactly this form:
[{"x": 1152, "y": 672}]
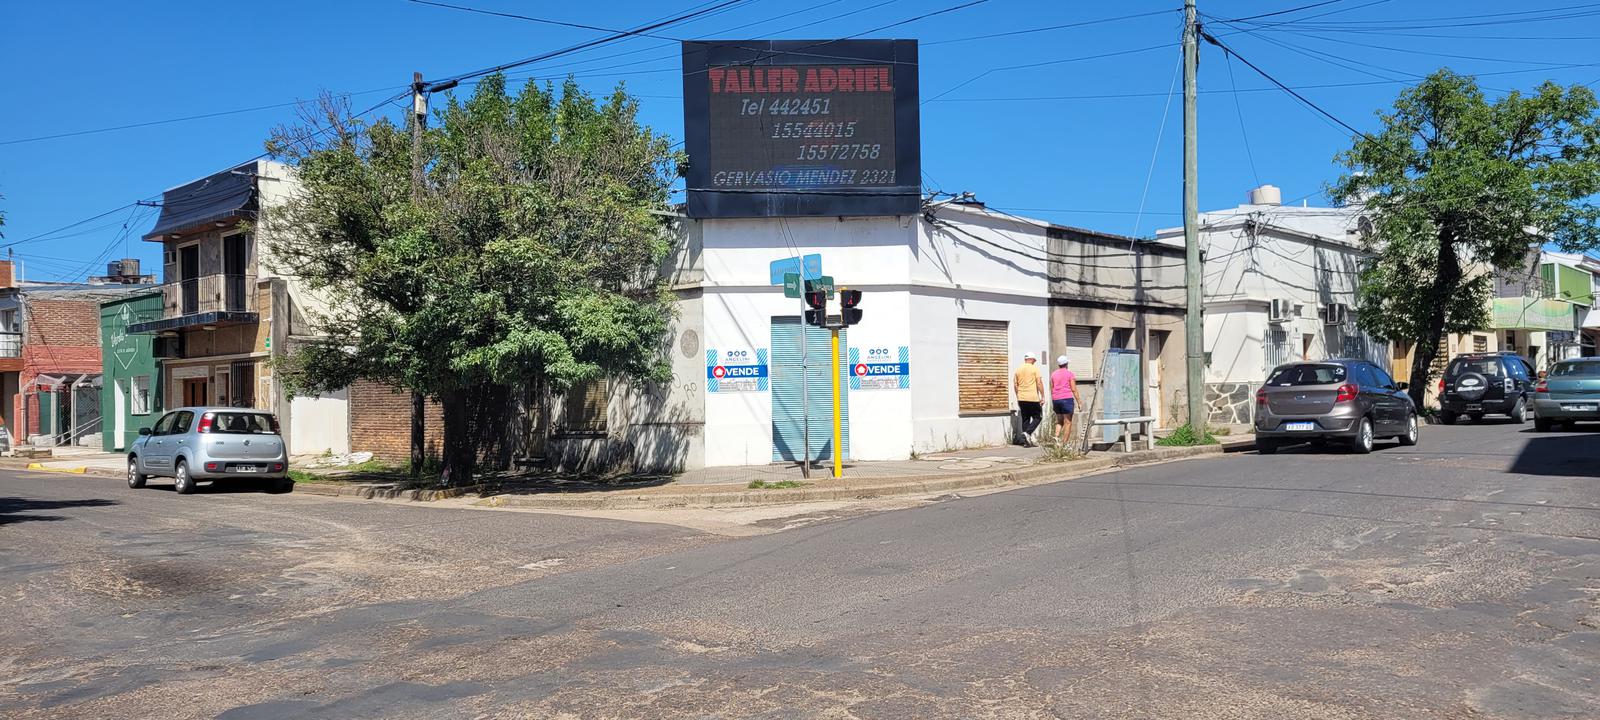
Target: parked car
[
  {"x": 1346, "y": 400},
  {"x": 1478, "y": 384},
  {"x": 210, "y": 443},
  {"x": 1571, "y": 392}
]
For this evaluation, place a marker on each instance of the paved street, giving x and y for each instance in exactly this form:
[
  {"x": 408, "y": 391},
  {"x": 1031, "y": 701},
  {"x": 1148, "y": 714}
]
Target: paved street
[{"x": 1457, "y": 579}]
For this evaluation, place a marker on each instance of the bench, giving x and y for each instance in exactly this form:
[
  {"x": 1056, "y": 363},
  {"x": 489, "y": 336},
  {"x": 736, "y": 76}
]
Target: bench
[{"x": 1144, "y": 421}]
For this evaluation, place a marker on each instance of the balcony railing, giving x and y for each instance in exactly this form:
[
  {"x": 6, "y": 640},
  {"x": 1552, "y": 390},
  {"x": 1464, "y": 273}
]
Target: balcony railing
[
  {"x": 209, "y": 294},
  {"x": 10, "y": 344}
]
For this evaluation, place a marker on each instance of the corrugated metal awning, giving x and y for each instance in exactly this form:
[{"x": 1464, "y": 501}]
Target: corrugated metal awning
[{"x": 215, "y": 198}]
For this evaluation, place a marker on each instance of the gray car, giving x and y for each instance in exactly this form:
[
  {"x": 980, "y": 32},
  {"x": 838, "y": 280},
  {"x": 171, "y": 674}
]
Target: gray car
[
  {"x": 210, "y": 443},
  {"x": 1345, "y": 400}
]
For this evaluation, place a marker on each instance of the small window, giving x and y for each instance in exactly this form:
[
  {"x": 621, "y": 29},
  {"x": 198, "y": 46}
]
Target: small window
[
  {"x": 1297, "y": 375},
  {"x": 1382, "y": 377},
  {"x": 1080, "y": 349},
  {"x": 140, "y": 391},
  {"x": 1122, "y": 338},
  {"x": 1480, "y": 343},
  {"x": 239, "y": 423},
  {"x": 585, "y": 407}
]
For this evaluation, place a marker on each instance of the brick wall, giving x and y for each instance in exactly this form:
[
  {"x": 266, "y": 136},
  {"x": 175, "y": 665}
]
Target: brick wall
[
  {"x": 380, "y": 422},
  {"x": 60, "y": 336}
]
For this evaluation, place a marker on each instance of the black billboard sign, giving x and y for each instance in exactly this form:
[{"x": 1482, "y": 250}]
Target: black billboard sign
[{"x": 784, "y": 128}]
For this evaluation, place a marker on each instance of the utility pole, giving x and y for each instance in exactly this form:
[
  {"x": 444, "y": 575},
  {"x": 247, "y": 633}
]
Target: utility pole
[
  {"x": 419, "y": 119},
  {"x": 1193, "y": 323}
]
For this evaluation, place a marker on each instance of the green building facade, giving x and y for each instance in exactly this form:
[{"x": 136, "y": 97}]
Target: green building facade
[{"x": 130, "y": 397}]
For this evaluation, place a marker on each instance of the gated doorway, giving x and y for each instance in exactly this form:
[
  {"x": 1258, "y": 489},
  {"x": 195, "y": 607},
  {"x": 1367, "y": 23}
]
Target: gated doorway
[{"x": 796, "y": 367}]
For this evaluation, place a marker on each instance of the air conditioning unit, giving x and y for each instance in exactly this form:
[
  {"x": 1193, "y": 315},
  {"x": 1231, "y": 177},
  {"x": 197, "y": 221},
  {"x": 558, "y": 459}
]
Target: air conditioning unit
[
  {"x": 1335, "y": 314},
  {"x": 1281, "y": 311}
]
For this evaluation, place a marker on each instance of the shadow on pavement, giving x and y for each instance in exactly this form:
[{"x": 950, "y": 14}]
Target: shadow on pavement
[
  {"x": 10, "y": 507},
  {"x": 205, "y": 487},
  {"x": 1574, "y": 453}
]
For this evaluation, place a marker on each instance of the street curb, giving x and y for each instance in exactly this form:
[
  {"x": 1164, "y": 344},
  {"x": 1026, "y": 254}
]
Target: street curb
[
  {"x": 384, "y": 492},
  {"x": 37, "y": 467},
  {"x": 741, "y": 497}
]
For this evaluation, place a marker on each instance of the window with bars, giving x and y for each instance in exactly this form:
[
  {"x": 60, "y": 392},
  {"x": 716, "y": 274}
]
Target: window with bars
[
  {"x": 584, "y": 408},
  {"x": 1480, "y": 343},
  {"x": 983, "y": 372},
  {"x": 140, "y": 400}
]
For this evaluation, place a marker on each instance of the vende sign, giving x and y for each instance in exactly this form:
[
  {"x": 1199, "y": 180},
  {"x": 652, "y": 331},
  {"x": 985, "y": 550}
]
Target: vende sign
[
  {"x": 736, "y": 370},
  {"x": 779, "y": 128}
]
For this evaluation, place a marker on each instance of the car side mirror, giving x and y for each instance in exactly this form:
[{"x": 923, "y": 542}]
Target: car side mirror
[
  {"x": 1402, "y": 386},
  {"x": 144, "y": 431}
]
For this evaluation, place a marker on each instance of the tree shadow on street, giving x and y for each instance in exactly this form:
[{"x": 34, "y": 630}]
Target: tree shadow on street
[
  {"x": 1568, "y": 453},
  {"x": 15, "y": 509}
]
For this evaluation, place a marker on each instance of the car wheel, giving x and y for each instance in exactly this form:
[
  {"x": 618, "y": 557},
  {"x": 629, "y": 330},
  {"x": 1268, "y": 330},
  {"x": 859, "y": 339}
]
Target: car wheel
[
  {"x": 281, "y": 485},
  {"x": 1266, "y": 447},
  {"x": 1362, "y": 444},
  {"x": 1519, "y": 413},
  {"x": 135, "y": 478},
  {"x": 1476, "y": 417},
  {"x": 181, "y": 480},
  {"x": 1447, "y": 417},
  {"x": 1542, "y": 424},
  {"x": 1410, "y": 437}
]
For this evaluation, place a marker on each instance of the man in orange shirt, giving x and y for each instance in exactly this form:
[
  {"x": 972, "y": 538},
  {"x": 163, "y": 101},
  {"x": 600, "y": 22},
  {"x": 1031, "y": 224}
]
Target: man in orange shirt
[{"x": 1029, "y": 388}]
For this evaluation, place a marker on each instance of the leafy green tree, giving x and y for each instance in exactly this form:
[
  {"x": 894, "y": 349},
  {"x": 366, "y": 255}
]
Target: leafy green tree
[
  {"x": 530, "y": 260},
  {"x": 1457, "y": 186}
]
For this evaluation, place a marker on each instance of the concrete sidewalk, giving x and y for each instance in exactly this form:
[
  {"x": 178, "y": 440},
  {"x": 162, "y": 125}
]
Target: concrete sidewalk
[
  {"x": 945, "y": 472},
  {"x": 74, "y": 461}
]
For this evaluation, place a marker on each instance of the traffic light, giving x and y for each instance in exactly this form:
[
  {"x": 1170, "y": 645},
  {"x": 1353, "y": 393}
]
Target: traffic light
[
  {"x": 848, "y": 310},
  {"x": 818, "y": 301}
]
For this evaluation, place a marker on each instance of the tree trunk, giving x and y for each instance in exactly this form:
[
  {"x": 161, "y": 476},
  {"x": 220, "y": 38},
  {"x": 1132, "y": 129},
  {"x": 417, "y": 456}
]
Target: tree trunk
[
  {"x": 418, "y": 436},
  {"x": 1446, "y": 282},
  {"x": 460, "y": 445}
]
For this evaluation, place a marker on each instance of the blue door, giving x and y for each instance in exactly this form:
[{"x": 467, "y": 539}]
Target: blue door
[{"x": 788, "y": 386}]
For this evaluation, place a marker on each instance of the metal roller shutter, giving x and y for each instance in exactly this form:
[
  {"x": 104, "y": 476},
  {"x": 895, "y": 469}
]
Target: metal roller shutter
[
  {"x": 787, "y": 388},
  {"x": 1080, "y": 350},
  {"x": 984, "y": 381}
]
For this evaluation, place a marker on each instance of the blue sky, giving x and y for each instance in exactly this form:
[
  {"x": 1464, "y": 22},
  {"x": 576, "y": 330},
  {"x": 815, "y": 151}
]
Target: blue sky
[{"x": 1067, "y": 140}]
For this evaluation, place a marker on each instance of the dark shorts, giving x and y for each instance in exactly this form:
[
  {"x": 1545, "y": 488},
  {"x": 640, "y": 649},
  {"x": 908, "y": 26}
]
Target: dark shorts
[{"x": 1064, "y": 407}]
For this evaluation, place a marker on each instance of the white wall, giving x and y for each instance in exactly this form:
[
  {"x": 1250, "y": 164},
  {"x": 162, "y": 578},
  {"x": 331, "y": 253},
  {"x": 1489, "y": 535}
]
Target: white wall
[
  {"x": 320, "y": 424},
  {"x": 918, "y": 280}
]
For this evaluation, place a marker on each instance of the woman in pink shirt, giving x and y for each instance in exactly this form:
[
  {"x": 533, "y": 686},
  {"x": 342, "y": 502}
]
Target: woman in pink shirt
[{"x": 1063, "y": 398}]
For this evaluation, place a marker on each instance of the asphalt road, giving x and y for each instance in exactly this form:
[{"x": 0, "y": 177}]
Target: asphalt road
[{"x": 1456, "y": 579}]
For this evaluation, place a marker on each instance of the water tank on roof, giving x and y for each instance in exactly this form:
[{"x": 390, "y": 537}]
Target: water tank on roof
[
  {"x": 1266, "y": 195},
  {"x": 126, "y": 267}
]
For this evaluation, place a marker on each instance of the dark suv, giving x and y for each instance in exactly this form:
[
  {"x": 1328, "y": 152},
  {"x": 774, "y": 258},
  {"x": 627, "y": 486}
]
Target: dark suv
[{"x": 1478, "y": 384}]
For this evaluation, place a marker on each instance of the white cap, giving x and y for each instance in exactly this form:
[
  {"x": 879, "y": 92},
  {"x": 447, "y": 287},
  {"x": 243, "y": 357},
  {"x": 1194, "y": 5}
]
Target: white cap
[
  {"x": 1061, "y": 360},
  {"x": 1029, "y": 356}
]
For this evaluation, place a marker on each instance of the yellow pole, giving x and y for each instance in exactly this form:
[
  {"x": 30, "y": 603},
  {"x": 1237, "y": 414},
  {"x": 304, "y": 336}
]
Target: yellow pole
[{"x": 838, "y": 427}]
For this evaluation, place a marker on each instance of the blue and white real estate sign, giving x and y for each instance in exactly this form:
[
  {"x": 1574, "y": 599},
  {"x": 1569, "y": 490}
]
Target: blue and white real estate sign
[
  {"x": 736, "y": 370},
  {"x": 880, "y": 368}
]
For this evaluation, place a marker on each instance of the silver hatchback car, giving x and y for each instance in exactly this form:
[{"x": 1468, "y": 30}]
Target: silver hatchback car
[
  {"x": 1347, "y": 400},
  {"x": 210, "y": 443}
]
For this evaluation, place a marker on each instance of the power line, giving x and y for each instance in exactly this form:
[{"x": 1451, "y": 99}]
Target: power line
[
  {"x": 1284, "y": 12},
  {"x": 186, "y": 118},
  {"x": 1244, "y": 133},
  {"x": 530, "y": 18},
  {"x": 1084, "y": 23},
  {"x": 1214, "y": 41}
]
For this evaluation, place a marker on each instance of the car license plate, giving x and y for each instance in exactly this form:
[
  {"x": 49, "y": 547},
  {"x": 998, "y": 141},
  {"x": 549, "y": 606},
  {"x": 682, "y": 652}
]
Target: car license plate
[
  {"x": 246, "y": 468},
  {"x": 1299, "y": 426},
  {"x": 1581, "y": 408}
]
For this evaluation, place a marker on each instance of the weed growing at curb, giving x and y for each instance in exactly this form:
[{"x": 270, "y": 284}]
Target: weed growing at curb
[
  {"x": 1184, "y": 436},
  {"x": 779, "y": 485}
]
